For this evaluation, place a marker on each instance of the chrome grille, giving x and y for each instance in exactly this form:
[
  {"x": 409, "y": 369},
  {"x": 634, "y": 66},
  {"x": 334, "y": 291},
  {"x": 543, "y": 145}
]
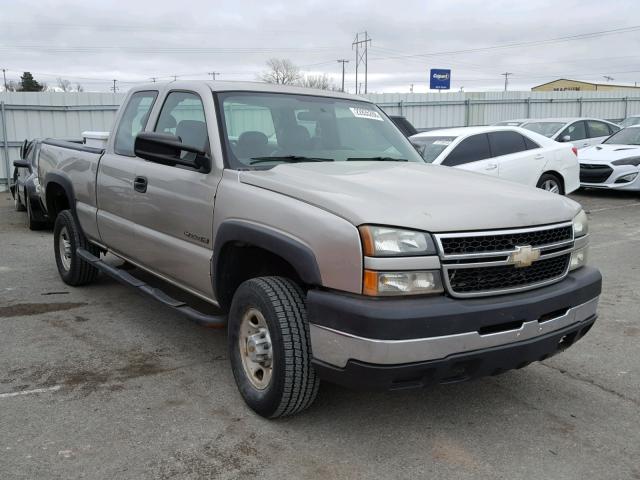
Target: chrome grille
[
  {"x": 488, "y": 263},
  {"x": 480, "y": 279}
]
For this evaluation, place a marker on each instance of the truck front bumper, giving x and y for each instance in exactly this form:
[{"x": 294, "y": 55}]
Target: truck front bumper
[{"x": 400, "y": 343}]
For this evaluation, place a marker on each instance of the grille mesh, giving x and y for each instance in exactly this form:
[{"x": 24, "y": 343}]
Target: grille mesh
[
  {"x": 505, "y": 277},
  {"x": 504, "y": 242},
  {"x": 594, "y": 173}
]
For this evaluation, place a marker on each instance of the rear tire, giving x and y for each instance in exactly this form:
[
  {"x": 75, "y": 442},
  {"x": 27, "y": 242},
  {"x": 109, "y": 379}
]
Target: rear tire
[
  {"x": 31, "y": 223},
  {"x": 550, "y": 183},
  {"x": 67, "y": 238},
  {"x": 270, "y": 347}
]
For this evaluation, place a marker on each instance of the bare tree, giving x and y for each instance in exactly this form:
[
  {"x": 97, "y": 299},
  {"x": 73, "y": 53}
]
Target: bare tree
[
  {"x": 12, "y": 86},
  {"x": 281, "y": 71},
  {"x": 79, "y": 88},
  {"x": 322, "y": 82},
  {"x": 64, "y": 84}
]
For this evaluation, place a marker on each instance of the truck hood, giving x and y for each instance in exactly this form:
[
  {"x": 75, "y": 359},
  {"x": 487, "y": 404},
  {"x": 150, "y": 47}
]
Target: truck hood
[
  {"x": 606, "y": 153},
  {"x": 412, "y": 195}
]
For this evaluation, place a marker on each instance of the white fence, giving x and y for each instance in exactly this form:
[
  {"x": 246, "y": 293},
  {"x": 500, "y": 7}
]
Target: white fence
[
  {"x": 38, "y": 115},
  {"x": 50, "y": 114},
  {"x": 433, "y": 110}
]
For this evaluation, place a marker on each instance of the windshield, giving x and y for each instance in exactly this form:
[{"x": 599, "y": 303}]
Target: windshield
[
  {"x": 544, "y": 128},
  {"x": 627, "y": 122},
  {"x": 262, "y": 130},
  {"x": 431, "y": 147},
  {"x": 626, "y": 136}
]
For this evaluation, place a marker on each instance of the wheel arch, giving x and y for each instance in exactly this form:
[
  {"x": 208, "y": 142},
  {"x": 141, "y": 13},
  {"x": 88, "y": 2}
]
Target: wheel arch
[
  {"x": 244, "y": 250},
  {"x": 59, "y": 194}
]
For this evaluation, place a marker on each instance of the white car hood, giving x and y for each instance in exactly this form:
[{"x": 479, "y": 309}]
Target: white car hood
[
  {"x": 413, "y": 195},
  {"x": 606, "y": 153}
]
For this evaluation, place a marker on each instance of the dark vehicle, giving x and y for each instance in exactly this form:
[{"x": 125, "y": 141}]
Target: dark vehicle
[
  {"x": 404, "y": 125},
  {"x": 26, "y": 185}
]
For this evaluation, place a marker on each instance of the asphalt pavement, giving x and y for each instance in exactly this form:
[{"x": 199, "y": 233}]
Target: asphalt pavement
[{"x": 99, "y": 382}]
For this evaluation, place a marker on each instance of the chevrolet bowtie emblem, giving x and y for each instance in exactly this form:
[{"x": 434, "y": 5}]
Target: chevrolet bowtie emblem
[{"x": 524, "y": 256}]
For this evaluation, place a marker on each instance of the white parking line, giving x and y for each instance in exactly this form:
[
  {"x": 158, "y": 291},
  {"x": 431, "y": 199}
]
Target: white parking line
[{"x": 30, "y": 392}]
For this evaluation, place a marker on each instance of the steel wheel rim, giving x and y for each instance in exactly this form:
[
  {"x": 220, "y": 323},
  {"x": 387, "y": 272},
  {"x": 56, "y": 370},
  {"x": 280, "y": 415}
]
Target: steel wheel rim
[
  {"x": 64, "y": 248},
  {"x": 551, "y": 186},
  {"x": 256, "y": 354}
]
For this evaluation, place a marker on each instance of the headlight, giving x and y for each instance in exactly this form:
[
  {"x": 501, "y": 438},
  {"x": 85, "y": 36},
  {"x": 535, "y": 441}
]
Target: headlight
[
  {"x": 580, "y": 224},
  {"x": 394, "y": 242},
  {"x": 401, "y": 283},
  {"x": 635, "y": 161},
  {"x": 578, "y": 258}
]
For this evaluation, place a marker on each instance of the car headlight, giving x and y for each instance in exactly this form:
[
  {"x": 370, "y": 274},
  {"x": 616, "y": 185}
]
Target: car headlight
[
  {"x": 401, "y": 283},
  {"x": 580, "y": 224},
  {"x": 394, "y": 242},
  {"x": 635, "y": 161}
]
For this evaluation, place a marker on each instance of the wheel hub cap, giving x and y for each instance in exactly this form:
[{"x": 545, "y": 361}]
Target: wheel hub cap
[
  {"x": 64, "y": 246},
  {"x": 255, "y": 349},
  {"x": 551, "y": 186}
]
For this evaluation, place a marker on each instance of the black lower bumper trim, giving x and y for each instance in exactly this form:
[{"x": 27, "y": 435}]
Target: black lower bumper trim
[
  {"x": 455, "y": 368},
  {"x": 422, "y": 317}
]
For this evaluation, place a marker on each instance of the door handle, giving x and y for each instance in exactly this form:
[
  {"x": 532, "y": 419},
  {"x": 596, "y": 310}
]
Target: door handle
[
  {"x": 491, "y": 166},
  {"x": 140, "y": 184},
  {"x": 539, "y": 156}
]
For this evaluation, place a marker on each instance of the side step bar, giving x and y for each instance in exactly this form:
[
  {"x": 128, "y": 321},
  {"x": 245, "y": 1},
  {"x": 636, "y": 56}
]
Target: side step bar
[{"x": 211, "y": 321}]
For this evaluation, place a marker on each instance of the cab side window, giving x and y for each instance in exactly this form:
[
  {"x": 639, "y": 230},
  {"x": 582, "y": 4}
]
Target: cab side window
[
  {"x": 505, "y": 143},
  {"x": 469, "y": 150},
  {"x": 597, "y": 129},
  {"x": 575, "y": 131},
  {"x": 182, "y": 115},
  {"x": 133, "y": 121}
]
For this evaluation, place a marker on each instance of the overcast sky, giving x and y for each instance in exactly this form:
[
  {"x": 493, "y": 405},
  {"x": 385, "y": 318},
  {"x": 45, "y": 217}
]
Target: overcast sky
[{"x": 132, "y": 41}]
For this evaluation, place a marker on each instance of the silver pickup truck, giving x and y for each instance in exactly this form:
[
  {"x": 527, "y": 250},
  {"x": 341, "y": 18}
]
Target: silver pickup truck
[{"x": 331, "y": 249}]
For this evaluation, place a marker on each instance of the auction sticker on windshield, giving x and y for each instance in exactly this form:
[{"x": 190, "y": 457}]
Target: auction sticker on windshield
[{"x": 364, "y": 113}]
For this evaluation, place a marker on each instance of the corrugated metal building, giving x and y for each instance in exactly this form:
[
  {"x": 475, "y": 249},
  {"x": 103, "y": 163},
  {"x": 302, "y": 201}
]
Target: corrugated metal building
[
  {"x": 50, "y": 114},
  {"x": 564, "y": 85}
]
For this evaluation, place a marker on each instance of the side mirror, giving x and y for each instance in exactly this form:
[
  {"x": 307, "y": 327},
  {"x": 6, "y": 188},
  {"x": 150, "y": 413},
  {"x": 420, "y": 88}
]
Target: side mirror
[
  {"x": 167, "y": 149},
  {"x": 566, "y": 138},
  {"x": 23, "y": 164}
]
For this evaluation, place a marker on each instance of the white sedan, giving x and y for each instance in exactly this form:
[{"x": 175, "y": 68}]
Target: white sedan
[
  {"x": 614, "y": 164},
  {"x": 511, "y": 153},
  {"x": 581, "y": 132}
]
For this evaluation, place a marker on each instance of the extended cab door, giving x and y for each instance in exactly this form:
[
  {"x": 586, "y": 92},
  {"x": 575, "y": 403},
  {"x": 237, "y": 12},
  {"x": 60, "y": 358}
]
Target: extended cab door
[
  {"x": 473, "y": 154},
  {"x": 519, "y": 159},
  {"x": 116, "y": 174},
  {"x": 174, "y": 210}
]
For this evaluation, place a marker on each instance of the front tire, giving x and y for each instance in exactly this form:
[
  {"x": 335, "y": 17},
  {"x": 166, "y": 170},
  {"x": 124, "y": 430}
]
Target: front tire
[
  {"x": 270, "y": 347},
  {"x": 550, "y": 183},
  {"x": 67, "y": 238}
]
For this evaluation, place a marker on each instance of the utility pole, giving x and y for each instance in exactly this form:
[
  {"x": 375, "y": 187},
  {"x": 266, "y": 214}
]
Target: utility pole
[
  {"x": 343, "y": 61},
  {"x": 4, "y": 74},
  {"x": 506, "y": 79},
  {"x": 153, "y": 79},
  {"x": 175, "y": 78},
  {"x": 608, "y": 78},
  {"x": 115, "y": 87},
  {"x": 362, "y": 42},
  {"x": 411, "y": 88},
  {"x": 213, "y": 75}
]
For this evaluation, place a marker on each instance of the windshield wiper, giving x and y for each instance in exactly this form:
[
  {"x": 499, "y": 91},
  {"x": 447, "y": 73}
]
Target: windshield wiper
[
  {"x": 376, "y": 159},
  {"x": 289, "y": 159}
]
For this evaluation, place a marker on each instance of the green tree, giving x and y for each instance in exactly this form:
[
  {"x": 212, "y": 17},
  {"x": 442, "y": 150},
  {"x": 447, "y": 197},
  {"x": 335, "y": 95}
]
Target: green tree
[{"x": 30, "y": 84}]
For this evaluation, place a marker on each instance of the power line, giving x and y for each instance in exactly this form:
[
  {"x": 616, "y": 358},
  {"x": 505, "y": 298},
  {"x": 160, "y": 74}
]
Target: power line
[
  {"x": 362, "y": 56},
  {"x": 506, "y": 79},
  {"x": 343, "y": 61}
]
